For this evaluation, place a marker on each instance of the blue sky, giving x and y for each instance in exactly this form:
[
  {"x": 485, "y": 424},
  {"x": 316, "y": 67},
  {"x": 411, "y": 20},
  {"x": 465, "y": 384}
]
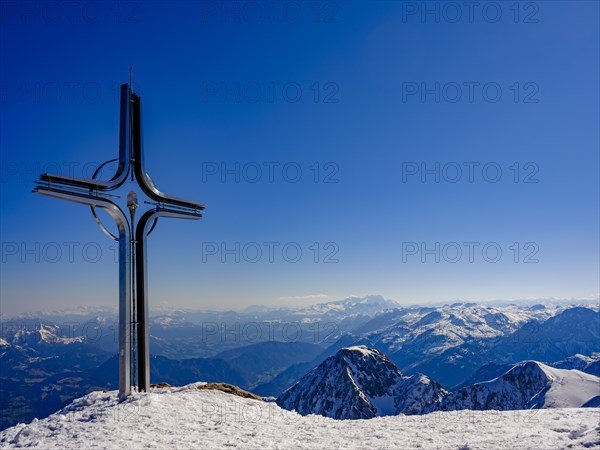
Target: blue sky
[{"x": 362, "y": 97}]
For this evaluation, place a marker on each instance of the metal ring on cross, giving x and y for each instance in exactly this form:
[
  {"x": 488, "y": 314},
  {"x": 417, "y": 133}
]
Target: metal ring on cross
[{"x": 97, "y": 219}]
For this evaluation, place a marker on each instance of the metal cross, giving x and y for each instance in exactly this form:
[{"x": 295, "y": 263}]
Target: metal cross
[{"x": 133, "y": 287}]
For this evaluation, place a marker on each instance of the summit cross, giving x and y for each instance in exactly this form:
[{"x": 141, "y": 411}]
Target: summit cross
[{"x": 133, "y": 287}]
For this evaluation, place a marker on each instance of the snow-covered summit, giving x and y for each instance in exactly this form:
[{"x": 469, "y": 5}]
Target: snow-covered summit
[
  {"x": 568, "y": 388},
  {"x": 190, "y": 418},
  {"x": 588, "y": 364},
  {"x": 360, "y": 383},
  {"x": 43, "y": 334},
  {"x": 363, "y": 350},
  {"x": 529, "y": 384},
  {"x": 370, "y": 305}
]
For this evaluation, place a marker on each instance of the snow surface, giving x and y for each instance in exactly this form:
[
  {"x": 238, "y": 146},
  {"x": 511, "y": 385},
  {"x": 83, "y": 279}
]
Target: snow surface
[
  {"x": 189, "y": 418},
  {"x": 569, "y": 387},
  {"x": 366, "y": 351},
  {"x": 528, "y": 384}
]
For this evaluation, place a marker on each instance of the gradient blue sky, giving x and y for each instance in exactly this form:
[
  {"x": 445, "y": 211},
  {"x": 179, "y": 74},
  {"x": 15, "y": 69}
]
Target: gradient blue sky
[{"x": 368, "y": 53}]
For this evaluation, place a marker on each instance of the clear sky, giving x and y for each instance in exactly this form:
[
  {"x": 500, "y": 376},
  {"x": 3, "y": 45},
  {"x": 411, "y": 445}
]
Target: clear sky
[{"x": 424, "y": 151}]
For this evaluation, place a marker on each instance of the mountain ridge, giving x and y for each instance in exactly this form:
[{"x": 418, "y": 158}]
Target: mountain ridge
[
  {"x": 528, "y": 385},
  {"x": 360, "y": 383}
]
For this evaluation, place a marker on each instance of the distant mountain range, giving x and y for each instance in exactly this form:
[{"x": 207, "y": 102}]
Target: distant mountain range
[
  {"x": 462, "y": 344},
  {"x": 361, "y": 383},
  {"x": 588, "y": 364},
  {"x": 529, "y": 385},
  {"x": 452, "y": 342},
  {"x": 47, "y": 360}
]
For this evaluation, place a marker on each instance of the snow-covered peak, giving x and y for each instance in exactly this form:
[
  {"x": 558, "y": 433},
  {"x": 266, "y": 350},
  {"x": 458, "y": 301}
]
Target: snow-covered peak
[
  {"x": 43, "y": 334},
  {"x": 369, "y": 300},
  {"x": 528, "y": 384},
  {"x": 360, "y": 383},
  {"x": 363, "y": 350},
  {"x": 569, "y": 388},
  {"x": 352, "y": 306},
  {"x": 588, "y": 364}
]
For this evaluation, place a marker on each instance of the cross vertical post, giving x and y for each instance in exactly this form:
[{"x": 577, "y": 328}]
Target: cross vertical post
[{"x": 133, "y": 290}]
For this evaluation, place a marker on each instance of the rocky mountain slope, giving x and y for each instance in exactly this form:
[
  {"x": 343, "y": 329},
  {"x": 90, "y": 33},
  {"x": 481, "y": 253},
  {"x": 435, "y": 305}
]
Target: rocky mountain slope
[
  {"x": 361, "y": 383},
  {"x": 528, "y": 385}
]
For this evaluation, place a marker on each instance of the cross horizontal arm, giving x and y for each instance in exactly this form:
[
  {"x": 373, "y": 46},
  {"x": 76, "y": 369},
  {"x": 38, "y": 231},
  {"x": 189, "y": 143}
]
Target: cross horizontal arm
[
  {"x": 83, "y": 182},
  {"x": 144, "y": 180},
  {"x": 124, "y": 158},
  {"x": 91, "y": 200}
]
